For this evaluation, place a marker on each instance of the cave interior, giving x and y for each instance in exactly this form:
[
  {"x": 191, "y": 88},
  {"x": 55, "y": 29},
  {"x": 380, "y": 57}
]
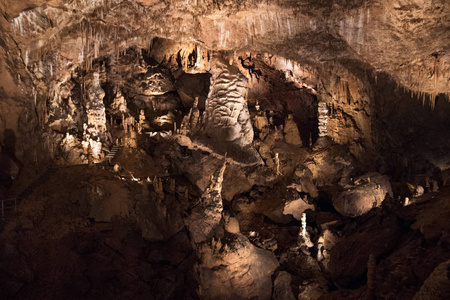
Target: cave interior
[{"x": 224, "y": 149}]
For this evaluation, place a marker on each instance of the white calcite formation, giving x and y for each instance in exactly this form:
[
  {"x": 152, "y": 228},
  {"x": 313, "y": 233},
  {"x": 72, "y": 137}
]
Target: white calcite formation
[
  {"x": 304, "y": 238},
  {"x": 96, "y": 109},
  {"x": 227, "y": 116},
  {"x": 323, "y": 119}
]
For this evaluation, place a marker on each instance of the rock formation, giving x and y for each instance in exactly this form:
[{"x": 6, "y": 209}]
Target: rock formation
[
  {"x": 255, "y": 149},
  {"x": 291, "y": 133},
  {"x": 207, "y": 213},
  {"x": 227, "y": 116},
  {"x": 96, "y": 109},
  {"x": 368, "y": 191}
]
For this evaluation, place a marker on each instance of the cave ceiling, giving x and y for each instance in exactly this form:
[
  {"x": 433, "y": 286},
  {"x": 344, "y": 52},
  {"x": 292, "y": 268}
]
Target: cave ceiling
[{"x": 408, "y": 40}]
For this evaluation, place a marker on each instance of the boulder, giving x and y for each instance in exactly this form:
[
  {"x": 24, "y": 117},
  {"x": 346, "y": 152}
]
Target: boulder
[
  {"x": 281, "y": 204},
  {"x": 367, "y": 192},
  {"x": 296, "y": 207}
]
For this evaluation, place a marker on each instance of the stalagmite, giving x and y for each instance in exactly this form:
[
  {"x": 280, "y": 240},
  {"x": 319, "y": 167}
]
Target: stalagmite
[
  {"x": 371, "y": 277},
  {"x": 96, "y": 108},
  {"x": 323, "y": 119},
  {"x": 304, "y": 238}
]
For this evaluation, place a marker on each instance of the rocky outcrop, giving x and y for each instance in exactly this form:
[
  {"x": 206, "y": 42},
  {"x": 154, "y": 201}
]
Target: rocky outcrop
[
  {"x": 207, "y": 213},
  {"x": 232, "y": 268},
  {"x": 367, "y": 192}
]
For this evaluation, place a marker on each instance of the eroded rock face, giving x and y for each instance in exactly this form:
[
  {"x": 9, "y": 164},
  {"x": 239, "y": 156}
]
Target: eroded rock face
[
  {"x": 369, "y": 191},
  {"x": 207, "y": 214},
  {"x": 159, "y": 218},
  {"x": 232, "y": 268}
]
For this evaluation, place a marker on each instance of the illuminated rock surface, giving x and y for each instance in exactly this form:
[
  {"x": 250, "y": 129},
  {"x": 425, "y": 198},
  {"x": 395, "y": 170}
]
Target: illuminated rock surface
[{"x": 224, "y": 149}]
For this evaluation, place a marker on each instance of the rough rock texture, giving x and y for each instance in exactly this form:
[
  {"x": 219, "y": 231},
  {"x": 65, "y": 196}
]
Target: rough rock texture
[
  {"x": 152, "y": 83},
  {"x": 345, "y": 268},
  {"x": 357, "y": 30},
  {"x": 159, "y": 218},
  {"x": 232, "y": 268},
  {"x": 227, "y": 116},
  {"x": 282, "y": 287},
  {"x": 207, "y": 213},
  {"x": 381, "y": 69},
  {"x": 280, "y": 204},
  {"x": 330, "y": 163},
  {"x": 108, "y": 203},
  {"x": 297, "y": 207},
  {"x": 369, "y": 191},
  {"x": 437, "y": 286},
  {"x": 291, "y": 133}
]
